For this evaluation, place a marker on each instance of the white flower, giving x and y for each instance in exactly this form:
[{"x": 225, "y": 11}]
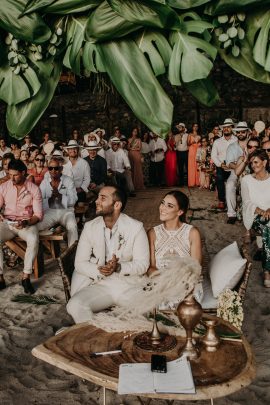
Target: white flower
[{"x": 230, "y": 308}]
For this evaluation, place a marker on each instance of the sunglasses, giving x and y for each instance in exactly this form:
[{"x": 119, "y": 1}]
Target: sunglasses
[
  {"x": 40, "y": 160},
  {"x": 252, "y": 146},
  {"x": 267, "y": 150},
  {"x": 56, "y": 168}
]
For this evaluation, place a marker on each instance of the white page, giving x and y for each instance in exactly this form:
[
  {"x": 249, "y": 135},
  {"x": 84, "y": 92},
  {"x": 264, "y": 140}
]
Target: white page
[
  {"x": 135, "y": 378},
  {"x": 178, "y": 378}
]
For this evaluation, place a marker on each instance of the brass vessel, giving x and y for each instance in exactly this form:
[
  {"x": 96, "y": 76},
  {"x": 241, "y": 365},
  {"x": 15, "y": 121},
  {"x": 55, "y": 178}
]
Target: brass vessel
[{"x": 210, "y": 340}]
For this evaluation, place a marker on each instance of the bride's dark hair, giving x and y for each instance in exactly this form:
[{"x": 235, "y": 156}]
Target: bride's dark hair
[{"x": 182, "y": 201}]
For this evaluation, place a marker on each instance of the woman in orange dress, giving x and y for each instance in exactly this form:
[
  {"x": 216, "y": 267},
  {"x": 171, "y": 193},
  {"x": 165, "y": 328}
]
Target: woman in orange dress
[
  {"x": 135, "y": 157},
  {"x": 193, "y": 144}
]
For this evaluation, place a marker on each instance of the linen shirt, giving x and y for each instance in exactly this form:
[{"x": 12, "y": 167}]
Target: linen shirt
[
  {"x": 110, "y": 241},
  {"x": 66, "y": 187},
  {"x": 158, "y": 144},
  {"x": 219, "y": 149},
  {"x": 117, "y": 161},
  {"x": 3, "y": 152},
  {"x": 181, "y": 144},
  {"x": 81, "y": 173},
  {"x": 233, "y": 153},
  {"x": 22, "y": 205}
]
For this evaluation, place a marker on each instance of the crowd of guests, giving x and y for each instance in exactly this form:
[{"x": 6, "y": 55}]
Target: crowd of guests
[{"x": 41, "y": 184}]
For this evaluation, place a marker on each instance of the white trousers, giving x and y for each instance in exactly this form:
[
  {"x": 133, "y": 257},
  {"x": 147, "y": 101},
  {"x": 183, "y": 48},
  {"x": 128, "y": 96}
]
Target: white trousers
[
  {"x": 29, "y": 235},
  {"x": 231, "y": 194},
  {"x": 98, "y": 297},
  {"x": 64, "y": 217}
]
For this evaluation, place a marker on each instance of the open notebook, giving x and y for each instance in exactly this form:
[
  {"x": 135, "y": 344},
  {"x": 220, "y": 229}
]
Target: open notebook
[{"x": 137, "y": 378}]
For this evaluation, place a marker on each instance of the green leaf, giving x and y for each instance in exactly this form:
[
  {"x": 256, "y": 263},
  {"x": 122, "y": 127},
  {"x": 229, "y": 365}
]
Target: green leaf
[
  {"x": 232, "y": 6},
  {"x": 34, "y": 299},
  {"x": 92, "y": 60},
  {"x": 158, "y": 49},
  {"x": 21, "y": 118},
  {"x": 146, "y": 13},
  {"x": 204, "y": 91},
  {"x": 261, "y": 50},
  {"x": 61, "y": 6},
  {"x": 192, "y": 57},
  {"x": 133, "y": 78},
  {"x": 29, "y": 28},
  {"x": 75, "y": 39},
  {"x": 16, "y": 88},
  {"x": 186, "y": 4},
  {"x": 105, "y": 24}
]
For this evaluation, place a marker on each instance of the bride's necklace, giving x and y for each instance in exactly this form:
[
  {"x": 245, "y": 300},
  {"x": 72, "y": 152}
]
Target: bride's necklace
[{"x": 262, "y": 178}]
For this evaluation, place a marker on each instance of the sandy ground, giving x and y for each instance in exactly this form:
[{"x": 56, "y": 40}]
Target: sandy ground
[{"x": 26, "y": 380}]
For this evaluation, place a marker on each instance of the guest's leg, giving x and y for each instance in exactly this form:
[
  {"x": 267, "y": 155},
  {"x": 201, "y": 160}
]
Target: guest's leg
[
  {"x": 30, "y": 236},
  {"x": 180, "y": 164},
  {"x": 231, "y": 195},
  {"x": 220, "y": 183},
  {"x": 68, "y": 220},
  {"x": 5, "y": 234}
]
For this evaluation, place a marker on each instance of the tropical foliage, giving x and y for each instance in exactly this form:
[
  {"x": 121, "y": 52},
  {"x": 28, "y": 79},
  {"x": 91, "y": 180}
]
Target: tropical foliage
[{"x": 135, "y": 43}]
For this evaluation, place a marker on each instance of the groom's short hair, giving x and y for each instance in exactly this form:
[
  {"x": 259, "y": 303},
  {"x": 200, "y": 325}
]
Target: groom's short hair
[{"x": 120, "y": 195}]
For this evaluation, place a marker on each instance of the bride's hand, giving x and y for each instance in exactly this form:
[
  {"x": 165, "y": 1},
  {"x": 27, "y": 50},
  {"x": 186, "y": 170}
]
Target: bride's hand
[{"x": 151, "y": 270}]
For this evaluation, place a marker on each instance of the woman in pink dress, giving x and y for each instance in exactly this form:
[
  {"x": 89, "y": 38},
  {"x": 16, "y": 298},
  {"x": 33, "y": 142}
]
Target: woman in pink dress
[
  {"x": 135, "y": 157},
  {"x": 171, "y": 162},
  {"x": 193, "y": 143}
]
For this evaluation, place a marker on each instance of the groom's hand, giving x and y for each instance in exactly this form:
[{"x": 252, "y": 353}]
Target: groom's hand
[{"x": 110, "y": 267}]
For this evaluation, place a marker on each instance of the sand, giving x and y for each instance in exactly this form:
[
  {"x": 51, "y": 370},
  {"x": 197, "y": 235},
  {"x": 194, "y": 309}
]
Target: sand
[{"x": 27, "y": 380}]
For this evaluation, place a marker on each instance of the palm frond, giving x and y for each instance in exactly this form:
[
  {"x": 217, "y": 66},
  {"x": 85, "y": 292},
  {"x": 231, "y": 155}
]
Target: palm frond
[{"x": 35, "y": 299}]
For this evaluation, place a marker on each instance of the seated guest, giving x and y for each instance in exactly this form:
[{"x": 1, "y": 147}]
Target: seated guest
[
  {"x": 37, "y": 173},
  {"x": 24, "y": 157},
  {"x": 118, "y": 162},
  {"x": 27, "y": 143},
  {"x": 111, "y": 247},
  {"x": 22, "y": 203},
  {"x": 4, "y": 176},
  {"x": 59, "y": 197},
  {"x": 255, "y": 191},
  {"x": 98, "y": 166},
  {"x": 33, "y": 152},
  {"x": 80, "y": 170},
  {"x": 3, "y": 147},
  {"x": 266, "y": 147}
]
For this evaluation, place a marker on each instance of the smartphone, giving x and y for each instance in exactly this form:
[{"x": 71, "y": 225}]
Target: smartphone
[{"x": 158, "y": 363}]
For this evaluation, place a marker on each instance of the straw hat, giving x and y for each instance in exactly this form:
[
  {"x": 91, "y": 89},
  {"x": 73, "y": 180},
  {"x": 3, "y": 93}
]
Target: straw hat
[
  {"x": 241, "y": 126},
  {"x": 100, "y": 130},
  {"x": 228, "y": 122},
  {"x": 72, "y": 144},
  {"x": 86, "y": 136},
  {"x": 181, "y": 124},
  {"x": 115, "y": 140},
  {"x": 92, "y": 145}
]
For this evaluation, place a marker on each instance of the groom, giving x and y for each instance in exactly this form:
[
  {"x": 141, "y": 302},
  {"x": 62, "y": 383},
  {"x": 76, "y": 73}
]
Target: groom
[{"x": 112, "y": 247}]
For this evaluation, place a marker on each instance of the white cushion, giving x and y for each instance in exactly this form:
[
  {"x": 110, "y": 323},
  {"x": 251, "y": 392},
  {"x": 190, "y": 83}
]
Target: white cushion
[
  {"x": 209, "y": 301},
  {"x": 226, "y": 269}
]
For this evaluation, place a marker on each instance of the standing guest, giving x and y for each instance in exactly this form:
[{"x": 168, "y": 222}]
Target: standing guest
[
  {"x": 157, "y": 148},
  {"x": 76, "y": 136},
  {"x": 4, "y": 176},
  {"x": 255, "y": 191},
  {"x": 112, "y": 249},
  {"x": 46, "y": 139},
  {"x": 135, "y": 158},
  {"x": 98, "y": 167},
  {"x": 3, "y": 148},
  {"x": 218, "y": 156},
  {"x": 146, "y": 157},
  {"x": 27, "y": 143},
  {"x": 215, "y": 133},
  {"x": 100, "y": 132},
  {"x": 234, "y": 152},
  {"x": 80, "y": 169},
  {"x": 181, "y": 139},
  {"x": 22, "y": 204},
  {"x": 193, "y": 144},
  {"x": 203, "y": 159},
  {"x": 37, "y": 172},
  {"x": 117, "y": 163},
  {"x": 24, "y": 157},
  {"x": 59, "y": 197},
  {"x": 242, "y": 166},
  {"x": 170, "y": 161},
  {"x": 130, "y": 185}
]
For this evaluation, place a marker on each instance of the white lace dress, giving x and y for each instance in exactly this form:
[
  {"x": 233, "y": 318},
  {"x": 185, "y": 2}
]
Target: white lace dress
[{"x": 170, "y": 244}]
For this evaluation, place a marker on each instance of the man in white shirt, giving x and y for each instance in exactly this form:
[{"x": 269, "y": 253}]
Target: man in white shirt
[
  {"x": 28, "y": 143},
  {"x": 218, "y": 155},
  {"x": 59, "y": 197},
  {"x": 112, "y": 249},
  {"x": 182, "y": 152},
  {"x": 234, "y": 152},
  {"x": 3, "y": 148},
  {"x": 117, "y": 163},
  {"x": 157, "y": 148},
  {"x": 80, "y": 169}
]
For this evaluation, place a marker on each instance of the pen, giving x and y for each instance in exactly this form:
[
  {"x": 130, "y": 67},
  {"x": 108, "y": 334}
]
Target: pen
[{"x": 97, "y": 354}]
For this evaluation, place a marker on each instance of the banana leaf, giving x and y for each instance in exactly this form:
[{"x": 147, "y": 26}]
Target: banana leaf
[
  {"x": 192, "y": 57},
  {"x": 16, "y": 88},
  {"x": 158, "y": 49},
  {"x": 232, "y": 6},
  {"x": 204, "y": 91},
  {"x": 61, "y": 6},
  {"x": 186, "y": 4},
  {"x": 29, "y": 28},
  {"x": 146, "y": 13},
  {"x": 21, "y": 118},
  {"x": 261, "y": 50},
  {"x": 75, "y": 37},
  {"x": 132, "y": 76},
  {"x": 104, "y": 24},
  {"x": 92, "y": 60}
]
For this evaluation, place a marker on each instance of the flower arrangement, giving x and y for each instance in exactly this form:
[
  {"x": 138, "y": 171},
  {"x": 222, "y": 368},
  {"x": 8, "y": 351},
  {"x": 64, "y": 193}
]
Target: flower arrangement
[{"x": 230, "y": 308}]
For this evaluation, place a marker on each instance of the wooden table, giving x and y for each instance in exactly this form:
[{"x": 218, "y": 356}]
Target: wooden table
[{"x": 216, "y": 374}]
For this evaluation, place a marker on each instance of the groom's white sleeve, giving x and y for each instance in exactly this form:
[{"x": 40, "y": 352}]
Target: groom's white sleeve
[
  {"x": 140, "y": 256},
  {"x": 83, "y": 255}
]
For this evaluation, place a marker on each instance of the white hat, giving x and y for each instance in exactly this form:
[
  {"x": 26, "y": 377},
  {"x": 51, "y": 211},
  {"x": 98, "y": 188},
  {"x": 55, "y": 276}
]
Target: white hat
[
  {"x": 181, "y": 124},
  {"x": 58, "y": 154},
  {"x": 228, "y": 122},
  {"x": 115, "y": 140},
  {"x": 86, "y": 136},
  {"x": 241, "y": 126},
  {"x": 92, "y": 145},
  {"x": 72, "y": 144},
  {"x": 100, "y": 130}
]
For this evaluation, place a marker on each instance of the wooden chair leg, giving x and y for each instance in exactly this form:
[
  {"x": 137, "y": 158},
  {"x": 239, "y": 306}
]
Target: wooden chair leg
[{"x": 36, "y": 267}]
